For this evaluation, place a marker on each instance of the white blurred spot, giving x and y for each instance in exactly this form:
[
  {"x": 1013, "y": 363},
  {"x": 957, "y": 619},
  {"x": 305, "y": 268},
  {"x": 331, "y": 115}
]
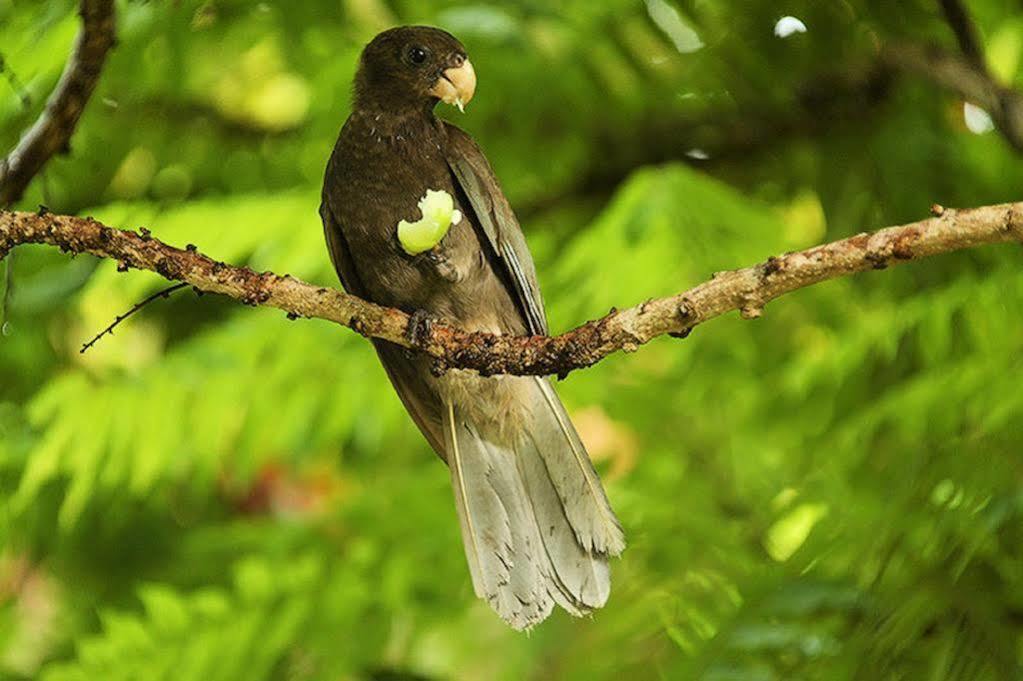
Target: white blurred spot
[
  {"x": 698, "y": 154},
  {"x": 787, "y": 26},
  {"x": 674, "y": 26},
  {"x": 977, "y": 120}
]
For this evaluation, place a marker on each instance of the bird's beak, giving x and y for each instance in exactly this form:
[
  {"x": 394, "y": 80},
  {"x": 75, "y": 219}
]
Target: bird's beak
[{"x": 456, "y": 85}]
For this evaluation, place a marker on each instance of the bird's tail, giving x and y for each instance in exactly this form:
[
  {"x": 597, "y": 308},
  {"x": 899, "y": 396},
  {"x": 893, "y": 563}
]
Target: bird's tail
[{"x": 536, "y": 524}]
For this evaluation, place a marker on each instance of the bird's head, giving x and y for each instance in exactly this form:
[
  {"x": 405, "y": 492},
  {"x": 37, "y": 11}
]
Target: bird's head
[{"x": 412, "y": 67}]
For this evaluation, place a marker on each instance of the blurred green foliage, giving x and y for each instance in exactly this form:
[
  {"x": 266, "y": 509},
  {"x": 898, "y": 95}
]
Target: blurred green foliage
[{"x": 831, "y": 492}]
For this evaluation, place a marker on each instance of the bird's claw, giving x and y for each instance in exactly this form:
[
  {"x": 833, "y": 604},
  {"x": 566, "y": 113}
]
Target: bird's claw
[
  {"x": 442, "y": 264},
  {"x": 419, "y": 326}
]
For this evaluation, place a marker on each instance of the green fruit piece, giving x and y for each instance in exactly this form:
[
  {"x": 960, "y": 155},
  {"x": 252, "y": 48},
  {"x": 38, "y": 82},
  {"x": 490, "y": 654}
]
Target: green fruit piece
[{"x": 439, "y": 214}]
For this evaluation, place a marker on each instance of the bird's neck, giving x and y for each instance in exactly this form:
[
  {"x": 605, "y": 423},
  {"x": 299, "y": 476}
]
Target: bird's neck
[{"x": 397, "y": 125}]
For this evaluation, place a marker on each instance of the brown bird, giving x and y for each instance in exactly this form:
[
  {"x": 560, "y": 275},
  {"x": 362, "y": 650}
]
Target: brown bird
[{"x": 415, "y": 219}]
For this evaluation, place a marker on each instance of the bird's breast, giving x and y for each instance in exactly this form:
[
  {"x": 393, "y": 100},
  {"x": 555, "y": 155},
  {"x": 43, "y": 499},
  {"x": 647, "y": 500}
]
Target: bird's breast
[{"x": 376, "y": 185}]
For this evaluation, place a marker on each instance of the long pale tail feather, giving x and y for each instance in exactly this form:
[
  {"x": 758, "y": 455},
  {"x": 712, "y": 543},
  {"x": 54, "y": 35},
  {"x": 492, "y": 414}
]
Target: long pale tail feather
[
  {"x": 573, "y": 475},
  {"x": 535, "y": 522},
  {"x": 485, "y": 523},
  {"x": 532, "y": 601},
  {"x": 498, "y": 543},
  {"x": 581, "y": 579}
]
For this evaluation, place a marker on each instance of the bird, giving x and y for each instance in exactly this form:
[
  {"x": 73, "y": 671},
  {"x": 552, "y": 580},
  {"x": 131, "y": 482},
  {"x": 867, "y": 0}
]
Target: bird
[{"x": 415, "y": 219}]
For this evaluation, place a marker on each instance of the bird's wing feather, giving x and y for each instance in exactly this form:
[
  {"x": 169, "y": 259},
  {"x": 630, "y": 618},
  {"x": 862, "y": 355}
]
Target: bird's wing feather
[
  {"x": 495, "y": 218},
  {"x": 339, "y": 253}
]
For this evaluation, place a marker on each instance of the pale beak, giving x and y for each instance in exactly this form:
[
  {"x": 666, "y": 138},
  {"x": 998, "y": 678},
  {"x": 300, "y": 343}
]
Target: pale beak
[{"x": 456, "y": 86}]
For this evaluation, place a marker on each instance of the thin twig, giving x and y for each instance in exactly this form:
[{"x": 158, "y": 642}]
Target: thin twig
[
  {"x": 138, "y": 306},
  {"x": 5, "y": 302},
  {"x": 16, "y": 85},
  {"x": 747, "y": 290}
]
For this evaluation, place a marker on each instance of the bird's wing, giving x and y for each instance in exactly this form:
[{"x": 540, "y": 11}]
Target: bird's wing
[
  {"x": 419, "y": 399},
  {"x": 495, "y": 218},
  {"x": 339, "y": 253}
]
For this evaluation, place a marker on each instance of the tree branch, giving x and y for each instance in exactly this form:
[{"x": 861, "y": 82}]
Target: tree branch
[
  {"x": 746, "y": 290},
  {"x": 52, "y": 131}
]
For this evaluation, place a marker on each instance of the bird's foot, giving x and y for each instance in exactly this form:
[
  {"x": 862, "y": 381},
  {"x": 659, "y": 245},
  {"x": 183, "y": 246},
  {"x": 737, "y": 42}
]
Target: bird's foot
[
  {"x": 420, "y": 324},
  {"x": 443, "y": 265}
]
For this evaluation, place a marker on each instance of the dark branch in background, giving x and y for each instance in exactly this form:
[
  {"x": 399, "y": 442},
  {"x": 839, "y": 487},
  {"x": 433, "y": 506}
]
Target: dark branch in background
[
  {"x": 165, "y": 293},
  {"x": 825, "y": 103},
  {"x": 967, "y": 74},
  {"x": 746, "y": 290},
  {"x": 970, "y": 78},
  {"x": 953, "y": 72},
  {"x": 965, "y": 31},
  {"x": 832, "y": 100},
  {"x": 52, "y": 132}
]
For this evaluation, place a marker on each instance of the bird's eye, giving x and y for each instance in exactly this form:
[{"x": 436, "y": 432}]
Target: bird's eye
[{"x": 417, "y": 55}]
